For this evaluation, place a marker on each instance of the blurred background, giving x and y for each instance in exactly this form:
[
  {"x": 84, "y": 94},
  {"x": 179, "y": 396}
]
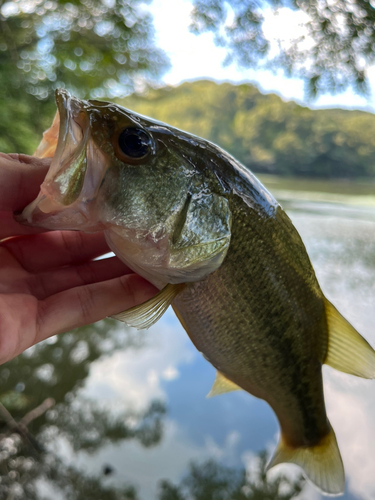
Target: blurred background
[{"x": 285, "y": 86}]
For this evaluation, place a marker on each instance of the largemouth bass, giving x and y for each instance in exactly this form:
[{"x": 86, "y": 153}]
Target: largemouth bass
[{"x": 188, "y": 217}]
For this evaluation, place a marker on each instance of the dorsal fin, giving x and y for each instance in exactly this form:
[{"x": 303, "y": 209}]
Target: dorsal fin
[
  {"x": 347, "y": 350},
  {"x": 47, "y": 146},
  {"x": 146, "y": 314},
  {"x": 222, "y": 385}
]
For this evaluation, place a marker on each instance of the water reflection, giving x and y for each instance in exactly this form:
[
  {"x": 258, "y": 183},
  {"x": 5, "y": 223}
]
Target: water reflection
[
  {"x": 35, "y": 449},
  {"x": 341, "y": 245},
  {"x": 130, "y": 408},
  {"x": 212, "y": 480}
]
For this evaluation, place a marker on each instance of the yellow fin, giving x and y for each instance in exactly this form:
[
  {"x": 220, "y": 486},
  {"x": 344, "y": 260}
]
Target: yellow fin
[
  {"x": 347, "y": 351},
  {"x": 146, "y": 314},
  {"x": 322, "y": 463},
  {"x": 222, "y": 385},
  {"x": 48, "y": 144}
]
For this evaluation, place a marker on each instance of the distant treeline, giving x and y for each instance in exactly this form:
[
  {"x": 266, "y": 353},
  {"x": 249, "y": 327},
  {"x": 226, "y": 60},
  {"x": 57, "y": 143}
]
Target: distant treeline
[{"x": 265, "y": 133}]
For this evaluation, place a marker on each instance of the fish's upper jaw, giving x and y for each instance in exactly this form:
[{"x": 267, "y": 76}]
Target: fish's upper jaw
[
  {"x": 66, "y": 142},
  {"x": 67, "y": 193}
]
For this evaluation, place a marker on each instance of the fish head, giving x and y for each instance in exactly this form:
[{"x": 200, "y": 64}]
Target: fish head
[
  {"x": 143, "y": 183},
  {"x": 98, "y": 150}
]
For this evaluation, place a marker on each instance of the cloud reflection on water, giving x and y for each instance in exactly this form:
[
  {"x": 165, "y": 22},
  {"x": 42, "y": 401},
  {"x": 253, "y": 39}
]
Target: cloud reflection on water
[
  {"x": 342, "y": 250},
  {"x": 134, "y": 377}
]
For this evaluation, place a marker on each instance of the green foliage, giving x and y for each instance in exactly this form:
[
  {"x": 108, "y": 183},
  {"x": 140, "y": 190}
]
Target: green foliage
[
  {"x": 213, "y": 481},
  {"x": 333, "y": 54},
  {"x": 90, "y": 47},
  {"x": 265, "y": 133}
]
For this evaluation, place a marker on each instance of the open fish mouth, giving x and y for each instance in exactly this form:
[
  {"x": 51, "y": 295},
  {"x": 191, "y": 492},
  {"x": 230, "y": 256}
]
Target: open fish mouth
[{"x": 63, "y": 189}]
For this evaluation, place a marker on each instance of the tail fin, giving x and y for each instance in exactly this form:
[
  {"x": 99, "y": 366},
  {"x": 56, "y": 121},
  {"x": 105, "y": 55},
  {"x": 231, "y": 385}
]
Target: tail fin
[{"x": 322, "y": 463}]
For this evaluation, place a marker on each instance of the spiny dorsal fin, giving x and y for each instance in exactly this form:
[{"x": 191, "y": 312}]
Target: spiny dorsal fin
[
  {"x": 222, "y": 385},
  {"x": 347, "y": 351},
  {"x": 47, "y": 146},
  {"x": 146, "y": 314},
  {"x": 322, "y": 463}
]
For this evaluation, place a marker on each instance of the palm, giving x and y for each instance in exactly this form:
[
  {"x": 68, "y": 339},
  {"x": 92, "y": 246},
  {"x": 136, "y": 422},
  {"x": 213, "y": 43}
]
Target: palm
[{"x": 50, "y": 282}]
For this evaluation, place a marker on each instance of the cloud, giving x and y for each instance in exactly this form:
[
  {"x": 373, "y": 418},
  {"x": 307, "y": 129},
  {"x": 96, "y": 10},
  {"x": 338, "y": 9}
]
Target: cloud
[
  {"x": 133, "y": 377},
  {"x": 351, "y": 409}
]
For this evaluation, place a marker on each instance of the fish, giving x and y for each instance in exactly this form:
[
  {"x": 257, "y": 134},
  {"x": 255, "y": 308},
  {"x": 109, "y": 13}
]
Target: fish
[{"x": 188, "y": 217}]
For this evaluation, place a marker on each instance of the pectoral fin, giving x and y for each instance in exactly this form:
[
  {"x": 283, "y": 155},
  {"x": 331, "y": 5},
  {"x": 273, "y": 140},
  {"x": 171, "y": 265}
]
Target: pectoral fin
[
  {"x": 347, "y": 351},
  {"x": 322, "y": 463},
  {"x": 222, "y": 385},
  {"x": 148, "y": 313}
]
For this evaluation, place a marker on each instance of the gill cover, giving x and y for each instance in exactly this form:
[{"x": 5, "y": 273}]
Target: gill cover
[{"x": 195, "y": 247}]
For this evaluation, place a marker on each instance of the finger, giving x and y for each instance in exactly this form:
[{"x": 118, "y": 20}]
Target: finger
[
  {"x": 46, "y": 284},
  {"x": 20, "y": 179},
  {"x": 87, "y": 304},
  {"x": 53, "y": 249},
  {"x": 9, "y": 227}
]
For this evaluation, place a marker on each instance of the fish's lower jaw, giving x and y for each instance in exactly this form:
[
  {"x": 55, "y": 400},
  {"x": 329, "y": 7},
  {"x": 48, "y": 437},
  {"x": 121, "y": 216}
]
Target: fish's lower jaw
[
  {"x": 46, "y": 205},
  {"x": 47, "y": 213},
  {"x": 29, "y": 216},
  {"x": 322, "y": 464}
]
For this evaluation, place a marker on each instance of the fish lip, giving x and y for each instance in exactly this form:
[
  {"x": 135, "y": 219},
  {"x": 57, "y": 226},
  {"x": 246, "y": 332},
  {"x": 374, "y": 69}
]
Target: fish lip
[
  {"x": 72, "y": 138},
  {"x": 62, "y": 98},
  {"x": 73, "y": 122}
]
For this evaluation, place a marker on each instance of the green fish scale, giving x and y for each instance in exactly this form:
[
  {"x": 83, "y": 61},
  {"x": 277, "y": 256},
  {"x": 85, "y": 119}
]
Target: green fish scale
[{"x": 260, "y": 320}]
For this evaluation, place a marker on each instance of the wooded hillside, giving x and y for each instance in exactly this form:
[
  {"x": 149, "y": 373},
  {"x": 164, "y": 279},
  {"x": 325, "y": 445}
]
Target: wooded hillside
[{"x": 265, "y": 133}]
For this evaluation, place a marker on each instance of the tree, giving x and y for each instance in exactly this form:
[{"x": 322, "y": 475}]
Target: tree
[
  {"x": 91, "y": 47},
  {"x": 214, "y": 481},
  {"x": 265, "y": 133},
  {"x": 333, "y": 54}
]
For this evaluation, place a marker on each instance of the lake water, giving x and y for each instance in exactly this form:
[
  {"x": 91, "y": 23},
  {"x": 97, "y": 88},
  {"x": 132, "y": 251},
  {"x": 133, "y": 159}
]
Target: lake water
[{"x": 130, "y": 407}]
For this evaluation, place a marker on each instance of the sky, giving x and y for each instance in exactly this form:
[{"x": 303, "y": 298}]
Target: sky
[{"x": 195, "y": 57}]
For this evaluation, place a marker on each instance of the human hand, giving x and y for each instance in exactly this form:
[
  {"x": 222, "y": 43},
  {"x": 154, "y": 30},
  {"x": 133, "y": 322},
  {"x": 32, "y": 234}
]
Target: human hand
[{"x": 49, "y": 282}]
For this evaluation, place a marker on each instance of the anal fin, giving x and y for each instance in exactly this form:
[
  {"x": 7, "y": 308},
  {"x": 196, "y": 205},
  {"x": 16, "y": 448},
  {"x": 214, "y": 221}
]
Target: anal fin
[
  {"x": 347, "y": 351},
  {"x": 222, "y": 385},
  {"x": 146, "y": 314},
  {"x": 321, "y": 463}
]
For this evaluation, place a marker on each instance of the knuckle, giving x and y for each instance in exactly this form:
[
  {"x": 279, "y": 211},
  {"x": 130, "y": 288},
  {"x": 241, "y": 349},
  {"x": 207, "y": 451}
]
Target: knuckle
[
  {"x": 38, "y": 286},
  {"x": 8, "y": 253},
  {"x": 86, "y": 273},
  {"x": 40, "y": 320},
  {"x": 87, "y": 302},
  {"x": 74, "y": 243},
  {"x": 128, "y": 289}
]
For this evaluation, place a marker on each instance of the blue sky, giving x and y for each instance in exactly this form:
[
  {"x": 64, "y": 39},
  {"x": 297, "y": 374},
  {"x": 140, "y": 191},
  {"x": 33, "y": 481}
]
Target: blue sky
[{"x": 197, "y": 56}]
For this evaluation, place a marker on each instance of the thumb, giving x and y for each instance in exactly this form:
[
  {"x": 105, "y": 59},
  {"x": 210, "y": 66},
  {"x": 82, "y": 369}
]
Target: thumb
[{"x": 20, "y": 179}]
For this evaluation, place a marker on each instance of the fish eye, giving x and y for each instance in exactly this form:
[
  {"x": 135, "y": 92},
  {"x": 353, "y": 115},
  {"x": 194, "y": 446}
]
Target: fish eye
[{"x": 134, "y": 143}]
